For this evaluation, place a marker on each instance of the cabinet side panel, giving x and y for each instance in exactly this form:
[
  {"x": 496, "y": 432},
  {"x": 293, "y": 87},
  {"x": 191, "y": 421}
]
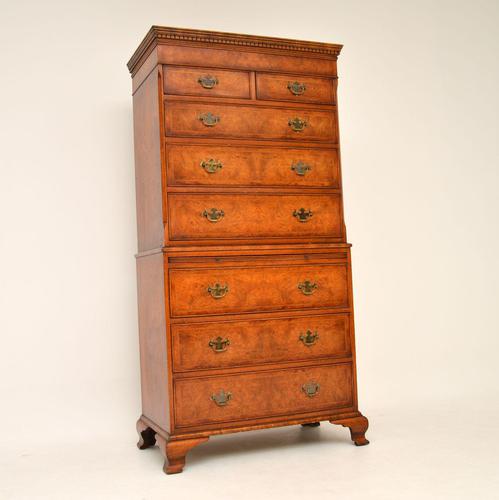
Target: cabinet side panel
[
  {"x": 147, "y": 142},
  {"x": 153, "y": 338}
]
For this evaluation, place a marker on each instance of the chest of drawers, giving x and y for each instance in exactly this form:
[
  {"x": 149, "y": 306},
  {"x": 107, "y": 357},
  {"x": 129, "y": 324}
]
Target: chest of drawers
[{"x": 244, "y": 272}]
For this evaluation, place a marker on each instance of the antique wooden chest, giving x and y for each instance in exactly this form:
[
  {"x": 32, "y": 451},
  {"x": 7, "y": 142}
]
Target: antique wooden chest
[{"x": 244, "y": 272}]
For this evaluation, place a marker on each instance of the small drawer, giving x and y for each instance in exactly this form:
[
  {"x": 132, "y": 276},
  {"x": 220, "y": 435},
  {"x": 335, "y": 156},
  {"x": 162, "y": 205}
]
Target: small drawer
[
  {"x": 248, "y": 288},
  {"x": 184, "y": 119},
  {"x": 233, "y": 398},
  {"x": 206, "y": 82},
  {"x": 212, "y": 165},
  {"x": 295, "y": 88},
  {"x": 198, "y": 346},
  {"x": 243, "y": 216}
]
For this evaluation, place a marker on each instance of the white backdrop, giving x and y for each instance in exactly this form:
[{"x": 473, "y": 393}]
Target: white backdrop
[{"x": 419, "y": 108}]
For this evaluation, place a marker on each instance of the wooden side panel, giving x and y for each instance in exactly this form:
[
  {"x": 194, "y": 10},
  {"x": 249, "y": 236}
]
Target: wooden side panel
[
  {"x": 153, "y": 339},
  {"x": 244, "y": 343},
  {"x": 260, "y": 395},
  {"x": 243, "y": 59},
  {"x": 148, "y": 183}
]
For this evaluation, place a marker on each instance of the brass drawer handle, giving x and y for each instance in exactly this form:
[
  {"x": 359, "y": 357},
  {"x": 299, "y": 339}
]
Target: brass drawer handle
[
  {"x": 303, "y": 215},
  {"x": 309, "y": 338},
  {"x": 297, "y": 124},
  {"x": 297, "y": 88},
  {"x": 222, "y": 398},
  {"x": 217, "y": 291},
  {"x": 213, "y": 215},
  {"x": 211, "y": 165},
  {"x": 219, "y": 344},
  {"x": 207, "y": 81},
  {"x": 308, "y": 287},
  {"x": 311, "y": 389},
  {"x": 209, "y": 120},
  {"x": 301, "y": 168}
]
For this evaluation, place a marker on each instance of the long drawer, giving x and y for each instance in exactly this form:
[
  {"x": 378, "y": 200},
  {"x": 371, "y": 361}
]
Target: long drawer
[
  {"x": 214, "y": 165},
  {"x": 244, "y": 121},
  {"x": 241, "y": 216},
  {"x": 228, "y": 344},
  {"x": 252, "y": 288},
  {"x": 266, "y": 394}
]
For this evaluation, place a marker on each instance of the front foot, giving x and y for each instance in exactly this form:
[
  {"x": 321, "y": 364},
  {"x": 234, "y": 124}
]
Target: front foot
[
  {"x": 358, "y": 427},
  {"x": 311, "y": 424},
  {"x": 146, "y": 436},
  {"x": 175, "y": 452}
]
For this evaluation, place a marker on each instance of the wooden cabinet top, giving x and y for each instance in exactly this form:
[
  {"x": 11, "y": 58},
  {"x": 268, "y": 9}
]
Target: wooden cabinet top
[{"x": 160, "y": 36}]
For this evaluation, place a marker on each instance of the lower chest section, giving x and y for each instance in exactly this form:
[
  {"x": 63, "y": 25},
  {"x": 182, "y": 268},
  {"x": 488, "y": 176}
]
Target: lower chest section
[{"x": 259, "y": 338}]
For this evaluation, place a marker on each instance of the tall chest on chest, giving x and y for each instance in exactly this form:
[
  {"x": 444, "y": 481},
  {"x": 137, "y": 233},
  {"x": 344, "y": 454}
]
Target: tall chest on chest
[{"x": 244, "y": 274}]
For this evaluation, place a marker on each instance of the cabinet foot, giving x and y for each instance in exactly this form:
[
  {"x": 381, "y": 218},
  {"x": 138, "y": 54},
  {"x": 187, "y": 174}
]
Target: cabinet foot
[
  {"x": 175, "y": 452},
  {"x": 358, "y": 427},
  {"x": 146, "y": 435},
  {"x": 311, "y": 424}
]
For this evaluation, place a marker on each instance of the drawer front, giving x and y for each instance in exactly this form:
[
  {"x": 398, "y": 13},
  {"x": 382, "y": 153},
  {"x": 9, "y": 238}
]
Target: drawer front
[
  {"x": 207, "y": 82},
  {"x": 241, "y": 216},
  {"x": 201, "y": 165},
  {"x": 249, "y": 122},
  {"x": 237, "y": 343},
  {"x": 220, "y": 290},
  {"x": 265, "y": 394},
  {"x": 296, "y": 89}
]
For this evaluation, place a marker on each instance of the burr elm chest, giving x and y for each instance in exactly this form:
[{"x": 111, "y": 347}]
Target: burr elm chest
[{"x": 244, "y": 272}]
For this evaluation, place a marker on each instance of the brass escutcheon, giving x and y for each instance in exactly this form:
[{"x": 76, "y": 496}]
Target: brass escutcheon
[
  {"x": 209, "y": 120},
  {"x": 213, "y": 214},
  {"x": 308, "y": 287},
  {"x": 297, "y": 124},
  {"x": 309, "y": 338},
  {"x": 219, "y": 344},
  {"x": 301, "y": 168},
  {"x": 211, "y": 165},
  {"x": 297, "y": 88},
  {"x": 222, "y": 398},
  {"x": 217, "y": 291},
  {"x": 207, "y": 81},
  {"x": 303, "y": 215},
  {"x": 311, "y": 389}
]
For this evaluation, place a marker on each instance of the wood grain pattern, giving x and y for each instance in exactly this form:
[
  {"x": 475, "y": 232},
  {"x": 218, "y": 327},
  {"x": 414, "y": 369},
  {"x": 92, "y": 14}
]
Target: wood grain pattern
[
  {"x": 275, "y": 87},
  {"x": 184, "y": 81},
  {"x": 154, "y": 364},
  {"x": 259, "y": 341},
  {"x": 257, "y": 302},
  {"x": 253, "y": 216},
  {"x": 257, "y": 288},
  {"x": 183, "y": 119},
  {"x": 262, "y": 394},
  {"x": 252, "y": 166},
  {"x": 244, "y": 60}
]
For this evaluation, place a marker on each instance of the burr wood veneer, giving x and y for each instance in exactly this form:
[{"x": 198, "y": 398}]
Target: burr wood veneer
[{"x": 244, "y": 272}]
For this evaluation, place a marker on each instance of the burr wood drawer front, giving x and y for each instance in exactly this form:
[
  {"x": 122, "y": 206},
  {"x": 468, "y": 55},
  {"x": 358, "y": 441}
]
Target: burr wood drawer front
[
  {"x": 206, "y": 82},
  {"x": 230, "y": 398},
  {"x": 215, "y": 165},
  {"x": 225, "y": 344},
  {"x": 295, "y": 88},
  {"x": 244, "y": 216},
  {"x": 249, "y": 122},
  {"x": 257, "y": 288}
]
